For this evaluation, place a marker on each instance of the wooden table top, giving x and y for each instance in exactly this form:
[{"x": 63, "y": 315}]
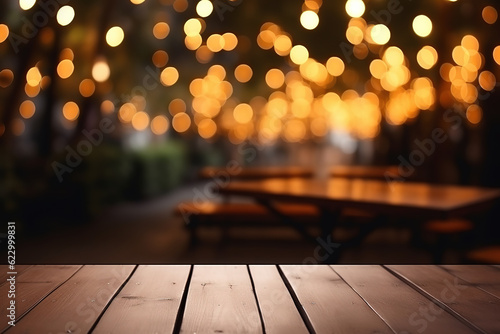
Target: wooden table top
[
  {"x": 386, "y": 197},
  {"x": 254, "y": 299},
  {"x": 372, "y": 172}
]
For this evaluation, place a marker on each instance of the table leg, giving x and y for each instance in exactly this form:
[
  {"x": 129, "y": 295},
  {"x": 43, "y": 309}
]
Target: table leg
[
  {"x": 331, "y": 249},
  {"x": 286, "y": 219}
]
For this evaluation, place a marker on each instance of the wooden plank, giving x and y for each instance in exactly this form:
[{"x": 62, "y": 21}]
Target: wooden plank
[
  {"x": 402, "y": 308},
  {"x": 31, "y": 286},
  {"x": 149, "y": 302},
  {"x": 329, "y": 303},
  {"x": 221, "y": 300},
  {"x": 4, "y": 269},
  {"x": 485, "y": 278},
  {"x": 473, "y": 305},
  {"x": 279, "y": 312},
  {"x": 75, "y": 305}
]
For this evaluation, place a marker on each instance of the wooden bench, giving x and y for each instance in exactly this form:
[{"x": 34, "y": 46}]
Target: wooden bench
[
  {"x": 226, "y": 215},
  {"x": 445, "y": 230}
]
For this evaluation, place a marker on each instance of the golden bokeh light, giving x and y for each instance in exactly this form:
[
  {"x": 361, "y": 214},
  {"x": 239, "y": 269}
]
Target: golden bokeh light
[
  {"x": 360, "y": 51},
  {"x": 215, "y": 42},
  {"x": 355, "y": 8},
  {"x": 115, "y": 36},
  {"x": 393, "y": 56},
  {"x": 470, "y": 43},
  {"x": 265, "y": 39},
  {"x": 65, "y": 68},
  {"x": 309, "y": 19},
  {"x": 4, "y": 32},
  {"x": 427, "y": 57},
  {"x": 159, "y": 125},
  {"x": 204, "y": 8},
  {"x": 65, "y": 15},
  {"x": 230, "y": 41},
  {"x": 354, "y": 35},
  {"x": 126, "y": 112},
  {"x": 176, "y": 106},
  {"x": 169, "y": 76},
  {"x": 181, "y": 122},
  {"x": 26, "y": 4},
  {"x": 32, "y": 91},
  {"x": 422, "y": 25},
  {"x": 107, "y": 107},
  {"x": 87, "y": 87},
  {"x": 243, "y": 113},
  {"x": 27, "y": 109},
  {"x": 160, "y": 58},
  {"x": 282, "y": 45},
  {"x": 71, "y": 111},
  {"x": 192, "y": 27},
  {"x": 378, "y": 68},
  {"x": 140, "y": 121},
  {"x": 490, "y": 14},
  {"x": 33, "y": 77},
  {"x": 67, "y": 53},
  {"x": 380, "y": 34},
  {"x": 243, "y": 73},
  {"x": 496, "y": 54},
  {"x": 474, "y": 114},
  {"x": 6, "y": 78},
  {"x": 207, "y": 128},
  {"x": 101, "y": 70},
  {"x": 193, "y": 42},
  {"x": 299, "y": 54},
  {"x": 137, "y": 2},
  {"x": 295, "y": 131},
  {"x": 335, "y": 66},
  {"x": 161, "y": 30},
  {"x": 204, "y": 55},
  {"x": 487, "y": 80},
  {"x": 180, "y": 5},
  {"x": 275, "y": 78}
]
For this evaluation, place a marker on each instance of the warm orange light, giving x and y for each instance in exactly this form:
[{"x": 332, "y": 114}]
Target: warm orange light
[
  {"x": 87, "y": 87},
  {"x": 275, "y": 78},
  {"x": 27, "y": 109},
  {"x": 140, "y": 121},
  {"x": 243, "y": 73},
  {"x": 161, "y": 30},
  {"x": 181, "y": 122},
  {"x": 169, "y": 76},
  {"x": 71, "y": 111},
  {"x": 490, "y": 14},
  {"x": 160, "y": 58},
  {"x": 159, "y": 125},
  {"x": 4, "y": 32}
]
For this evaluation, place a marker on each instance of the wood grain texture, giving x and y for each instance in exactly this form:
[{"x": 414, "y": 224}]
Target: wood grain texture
[
  {"x": 279, "y": 313},
  {"x": 477, "y": 307},
  {"x": 221, "y": 300},
  {"x": 19, "y": 269},
  {"x": 330, "y": 304},
  {"x": 486, "y": 278},
  {"x": 32, "y": 285},
  {"x": 401, "y": 307},
  {"x": 75, "y": 305},
  {"x": 148, "y": 303}
]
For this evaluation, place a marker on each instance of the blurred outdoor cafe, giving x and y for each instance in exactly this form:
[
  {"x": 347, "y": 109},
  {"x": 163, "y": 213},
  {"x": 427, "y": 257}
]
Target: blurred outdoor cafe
[{"x": 232, "y": 131}]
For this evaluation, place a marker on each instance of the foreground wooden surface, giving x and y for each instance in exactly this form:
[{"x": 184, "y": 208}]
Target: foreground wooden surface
[{"x": 254, "y": 299}]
